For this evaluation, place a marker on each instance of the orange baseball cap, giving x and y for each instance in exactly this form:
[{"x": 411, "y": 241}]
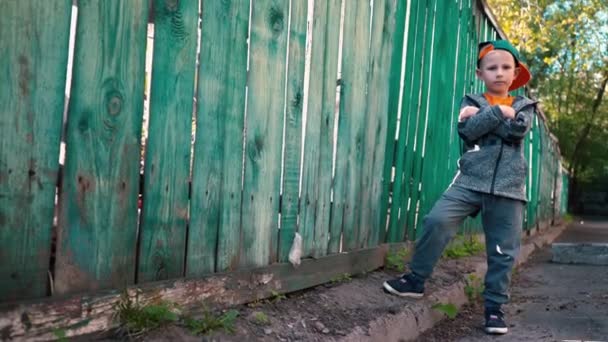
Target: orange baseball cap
[{"x": 524, "y": 73}]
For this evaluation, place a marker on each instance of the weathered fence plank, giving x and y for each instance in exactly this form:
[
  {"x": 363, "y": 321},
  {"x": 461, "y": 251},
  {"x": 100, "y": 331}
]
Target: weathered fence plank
[
  {"x": 33, "y": 55},
  {"x": 460, "y": 83},
  {"x": 293, "y": 126},
  {"x": 434, "y": 178},
  {"x": 98, "y": 218},
  {"x": 381, "y": 50},
  {"x": 318, "y": 147},
  {"x": 420, "y": 70},
  {"x": 416, "y": 216},
  {"x": 214, "y": 233},
  {"x": 264, "y": 124},
  {"x": 404, "y": 154},
  {"x": 167, "y": 166},
  {"x": 535, "y": 162},
  {"x": 351, "y": 123},
  {"x": 396, "y": 77},
  {"x": 460, "y": 64}
]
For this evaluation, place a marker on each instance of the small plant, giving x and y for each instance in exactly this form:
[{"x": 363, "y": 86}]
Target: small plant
[
  {"x": 448, "y": 309},
  {"x": 473, "y": 288},
  {"x": 463, "y": 247},
  {"x": 210, "y": 322},
  {"x": 344, "y": 277},
  {"x": 277, "y": 297},
  {"x": 260, "y": 318},
  {"x": 136, "y": 319},
  {"x": 396, "y": 260},
  {"x": 255, "y": 303},
  {"x": 60, "y": 334},
  {"x": 514, "y": 271},
  {"x": 568, "y": 218}
]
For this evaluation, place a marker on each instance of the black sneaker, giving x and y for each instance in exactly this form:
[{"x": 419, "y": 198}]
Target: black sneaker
[
  {"x": 495, "y": 323},
  {"x": 406, "y": 286}
]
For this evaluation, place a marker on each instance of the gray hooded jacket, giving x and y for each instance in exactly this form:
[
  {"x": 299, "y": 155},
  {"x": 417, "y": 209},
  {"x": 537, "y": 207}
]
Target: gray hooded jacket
[{"x": 494, "y": 162}]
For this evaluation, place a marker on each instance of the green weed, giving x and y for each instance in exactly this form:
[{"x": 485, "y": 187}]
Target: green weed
[
  {"x": 136, "y": 319},
  {"x": 448, "y": 309},
  {"x": 260, "y": 318},
  {"x": 344, "y": 277},
  {"x": 60, "y": 334},
  {"x": 277, "y": 297},
  {"x": 396, "y": 260},
  {"x": 473, "y": 288},
  {"x": 212, "y": 322},
  {"x": 462, "y": 247},
  {"x": 568, "y": 218},
  {"x": 255, "y": 303}
]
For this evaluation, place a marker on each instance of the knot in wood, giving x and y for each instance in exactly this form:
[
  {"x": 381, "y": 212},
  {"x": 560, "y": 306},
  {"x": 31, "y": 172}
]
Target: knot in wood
[
  {"x": 276, "y": 19},
  {"x": 171, "y": 5},
  {"x": 114, "y": 103}
]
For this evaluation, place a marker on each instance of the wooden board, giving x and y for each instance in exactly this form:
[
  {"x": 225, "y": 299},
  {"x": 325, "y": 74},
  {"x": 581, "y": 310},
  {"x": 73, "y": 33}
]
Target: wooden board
[
  {"x": 79, "y": 315},
  {"x": 318, "y": 147},
  {"x": 351, "y": 123},
  {"x": 215, "y": 210},
  {"x": 33, "y": 55},
  {"x": 293, "y": 127},
  {"x": 381, "y": 51},
  {"x": 264, "y": 125},
  {"x": 415, "y": 219},
  {"x": 461, "y": 78},
  {"x": 393, "y": 144},
  {"x": 98, "y": 218},
  {"x": 409, "y": 186},
  {"x": 435, "y": 145},
  {"x": 404, "y": 153},
  {"x": 167, "y": 164}
]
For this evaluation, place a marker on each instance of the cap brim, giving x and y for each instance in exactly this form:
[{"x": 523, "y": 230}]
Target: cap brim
[{"x": 523, "y": 77}]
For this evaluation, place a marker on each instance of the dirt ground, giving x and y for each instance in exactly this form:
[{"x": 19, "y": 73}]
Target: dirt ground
[
  {"x": 328, "y": 312},
  {"x": 550, "y": 302},
  {"x": 325, "y": 313}
]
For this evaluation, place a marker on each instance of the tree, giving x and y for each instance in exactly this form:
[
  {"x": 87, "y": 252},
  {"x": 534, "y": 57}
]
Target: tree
[{"x": 565, "y": 43}]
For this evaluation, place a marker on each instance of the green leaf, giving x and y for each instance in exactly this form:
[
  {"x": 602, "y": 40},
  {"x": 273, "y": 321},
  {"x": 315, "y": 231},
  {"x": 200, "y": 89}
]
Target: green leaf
[{"x": 448, "y": 309}]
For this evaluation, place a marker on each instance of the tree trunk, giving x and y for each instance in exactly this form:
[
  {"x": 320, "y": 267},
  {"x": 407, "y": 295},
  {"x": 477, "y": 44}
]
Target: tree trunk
[{"x": 575, "y": 160}]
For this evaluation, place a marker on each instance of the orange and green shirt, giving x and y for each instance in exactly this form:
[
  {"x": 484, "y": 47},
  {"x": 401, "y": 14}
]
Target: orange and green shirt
[{"x": 495, "y": 100}]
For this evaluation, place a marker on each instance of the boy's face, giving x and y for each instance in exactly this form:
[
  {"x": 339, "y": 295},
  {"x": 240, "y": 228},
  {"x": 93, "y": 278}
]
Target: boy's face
[{"x": 497, "y": 70}]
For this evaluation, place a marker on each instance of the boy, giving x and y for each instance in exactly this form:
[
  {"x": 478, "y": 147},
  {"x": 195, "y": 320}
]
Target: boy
[{"x": 491, "y": 180}]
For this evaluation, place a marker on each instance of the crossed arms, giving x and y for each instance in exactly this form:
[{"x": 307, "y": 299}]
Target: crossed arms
[{"x": 503, "y": 121}]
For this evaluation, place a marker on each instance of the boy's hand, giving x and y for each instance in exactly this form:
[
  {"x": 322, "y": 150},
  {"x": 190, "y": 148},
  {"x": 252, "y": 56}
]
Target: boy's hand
[
  {"x": 467, "y": 112},
  {"x": 507, "y": 112}
]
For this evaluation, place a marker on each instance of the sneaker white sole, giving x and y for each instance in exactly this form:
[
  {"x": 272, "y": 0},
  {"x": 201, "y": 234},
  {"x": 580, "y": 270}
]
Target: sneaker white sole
[
  {"x": 390, "y": 289},
  {"x": 496, "y": 330}
]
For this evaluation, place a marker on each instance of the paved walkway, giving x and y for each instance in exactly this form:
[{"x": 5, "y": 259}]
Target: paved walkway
[
  {"x": 586, "y": 230},
  {"x": 552, "y": 302}
]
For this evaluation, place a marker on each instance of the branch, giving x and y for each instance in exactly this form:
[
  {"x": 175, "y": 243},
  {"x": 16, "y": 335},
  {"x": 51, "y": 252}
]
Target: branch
[{"x": 585, "y": 132}]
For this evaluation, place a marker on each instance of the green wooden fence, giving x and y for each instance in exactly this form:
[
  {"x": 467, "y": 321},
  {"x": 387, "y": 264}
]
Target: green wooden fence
[{"x": 349, "y": 146}]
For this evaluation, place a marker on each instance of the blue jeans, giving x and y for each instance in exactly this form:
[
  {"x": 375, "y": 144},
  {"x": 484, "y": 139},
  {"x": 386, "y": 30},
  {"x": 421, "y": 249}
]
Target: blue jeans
[{"x": 502, "y": 223}]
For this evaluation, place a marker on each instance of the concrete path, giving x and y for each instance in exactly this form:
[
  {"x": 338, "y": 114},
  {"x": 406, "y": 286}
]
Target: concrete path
[
  {"x": 590, "y": 229},
  {"x": 549, "y": 302},
  {"x": 586, "y": 242}
]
